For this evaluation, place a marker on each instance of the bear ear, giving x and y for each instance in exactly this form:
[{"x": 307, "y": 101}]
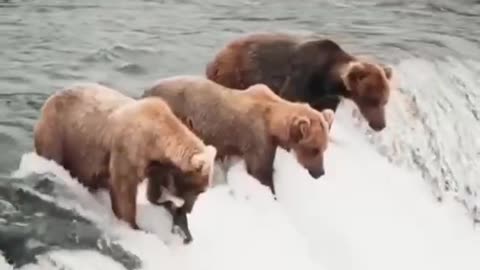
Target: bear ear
[
  {"x": 329, "y": 116},
  {"x": 299, "y": 129},
  {"x": 262, "y": 91},
  {"x": 354, "y": 73},
  {"x": 211, "y": 155},
  {"x": 258, "y": 88},
  {"x": 204, "y": 162},
  {"x": 207, "y": 157},
  {"x": 199, "y": 161},
  {"x": 189, "y": 123},
  {"x": 357, "y": 72},
  {"x": 388, "y": 71}
]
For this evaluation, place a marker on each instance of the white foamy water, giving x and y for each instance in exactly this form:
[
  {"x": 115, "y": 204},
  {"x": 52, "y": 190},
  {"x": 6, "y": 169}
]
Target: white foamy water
[
  {"x": 3, "y": 263},
  {"x": 363, "y": 214},
  {"x": 433, "y": 126}
]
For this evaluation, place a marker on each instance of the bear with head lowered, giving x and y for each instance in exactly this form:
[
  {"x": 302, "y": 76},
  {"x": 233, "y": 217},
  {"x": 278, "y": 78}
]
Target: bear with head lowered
[
  {"x": 317, "y": 71},
  {"x": 249, "y": 124},
  {"x": 108, "y": 140}
]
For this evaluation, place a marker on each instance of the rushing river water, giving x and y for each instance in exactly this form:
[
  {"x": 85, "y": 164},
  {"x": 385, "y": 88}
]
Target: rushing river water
[{"x": 434, "y": 117}]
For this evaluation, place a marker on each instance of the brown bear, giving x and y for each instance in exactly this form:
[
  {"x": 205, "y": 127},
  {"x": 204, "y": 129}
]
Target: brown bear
[
  {"x": 108, "y": 140},
  {"x": 249, "y": 124},
  {"x": 317, "y": 71}
]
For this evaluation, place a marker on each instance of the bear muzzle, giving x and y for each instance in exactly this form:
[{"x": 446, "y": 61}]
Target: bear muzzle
[
  {"x": 375, "y": 117},
  {"x": 377, "y": 126},
  {"x": 316, "y": 173}
]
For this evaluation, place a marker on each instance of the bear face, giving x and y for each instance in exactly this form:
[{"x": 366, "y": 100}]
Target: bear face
[
  {"x": 168, "y": 183},
  {"x": 201, "y": 177},
  {"x": 182, "y": 187},
  {"x": 368, "y": 85},
  {"x": 308, "y": 131},
  {"x": 178, "y": 191},
  {"x": 310, "y": 140}
]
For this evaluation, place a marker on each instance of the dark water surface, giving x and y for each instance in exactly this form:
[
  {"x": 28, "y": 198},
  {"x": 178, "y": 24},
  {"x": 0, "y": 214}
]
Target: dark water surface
[{"x": 45, "y": 45}]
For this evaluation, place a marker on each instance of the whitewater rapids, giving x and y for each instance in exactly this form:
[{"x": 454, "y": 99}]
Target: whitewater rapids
[{"x": 363, "y": 214}]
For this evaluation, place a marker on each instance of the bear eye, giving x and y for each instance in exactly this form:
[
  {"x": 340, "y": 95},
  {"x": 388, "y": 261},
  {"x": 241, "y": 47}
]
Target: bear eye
[
  {"x": 314, "y": 151},
  {"x": 369, "y": 101}
]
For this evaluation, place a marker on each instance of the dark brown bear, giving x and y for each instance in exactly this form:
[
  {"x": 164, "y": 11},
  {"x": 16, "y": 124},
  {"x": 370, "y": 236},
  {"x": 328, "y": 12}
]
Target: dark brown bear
[{"x": 317, "y": 71}]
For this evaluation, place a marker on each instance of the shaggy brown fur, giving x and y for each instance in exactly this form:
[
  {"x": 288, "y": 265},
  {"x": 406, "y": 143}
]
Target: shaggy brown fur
[
  {"x": 250, "y": 123},
  {"x": 109, "y": 140},
  {"x": 317, "y": 71}
]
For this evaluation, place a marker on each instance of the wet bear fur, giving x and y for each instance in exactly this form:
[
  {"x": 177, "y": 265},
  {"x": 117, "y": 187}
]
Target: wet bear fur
[
  {"x": 108, "y": 140},
  {"x": 249, "y": 124},
  {"x": 297, "y": 68}
]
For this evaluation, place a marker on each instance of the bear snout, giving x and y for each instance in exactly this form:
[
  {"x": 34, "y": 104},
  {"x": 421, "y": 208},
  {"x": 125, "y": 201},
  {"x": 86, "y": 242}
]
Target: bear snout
[
  {"x": 377, "y": 126},
  {"x": 375, "y": 117},
  {"x": 316, "y": 173}
]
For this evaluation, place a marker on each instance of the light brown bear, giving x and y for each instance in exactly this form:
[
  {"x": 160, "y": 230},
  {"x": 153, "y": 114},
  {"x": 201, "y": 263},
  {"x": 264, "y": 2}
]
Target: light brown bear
[
  {"x": 108, "y": 140},
  {"x": 249, "y": 124},
  {"x": 297, "y": 68}
]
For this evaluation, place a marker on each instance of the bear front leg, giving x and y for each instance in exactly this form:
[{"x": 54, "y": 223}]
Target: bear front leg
[
  {"x": 260, "y": 165},
  {"x": 158, "y": 177},
  {"x": 153, "y": 191},
  {"x": 180, "y": 222},
  {"x": 123, "y": 200},
  {"x": 180, "y": 214},
  {"x": 123, "y": 191}
]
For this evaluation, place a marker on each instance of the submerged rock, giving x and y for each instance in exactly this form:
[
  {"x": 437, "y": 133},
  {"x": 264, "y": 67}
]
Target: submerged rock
[{"x": 31, "y": 226}]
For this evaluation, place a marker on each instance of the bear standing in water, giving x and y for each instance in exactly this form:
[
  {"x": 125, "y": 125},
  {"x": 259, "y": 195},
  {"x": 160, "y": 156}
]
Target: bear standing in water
[
  {"x": 250, "y": 123},
  {"x": 108, "y": 140},
  {"x": 317, "y": 71}
]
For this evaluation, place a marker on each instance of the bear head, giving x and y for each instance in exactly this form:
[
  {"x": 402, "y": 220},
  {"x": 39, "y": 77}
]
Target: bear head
[
  {"x": 309, "y": 139},
  {"x": 368, "y": 86},
  {"x": 200, "y": 178},
  {"x": 202, "y": 166}
]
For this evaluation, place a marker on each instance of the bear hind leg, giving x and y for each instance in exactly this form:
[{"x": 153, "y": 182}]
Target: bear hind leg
[{"x": 47, "y": 142}]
